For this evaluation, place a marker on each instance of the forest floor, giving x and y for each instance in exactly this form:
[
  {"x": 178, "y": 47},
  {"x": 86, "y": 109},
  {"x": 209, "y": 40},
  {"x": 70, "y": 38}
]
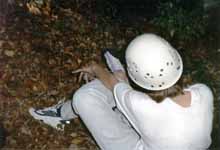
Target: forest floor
[{"x": 38, "y": 54}]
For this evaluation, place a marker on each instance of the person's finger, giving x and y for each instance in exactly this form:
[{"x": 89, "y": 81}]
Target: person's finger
[
  {"x": 84, "y": 69},
  {"x": 78, "y": 71},
  {"x": 80, "y": 76},
  {"x": 85, "y": 77}
]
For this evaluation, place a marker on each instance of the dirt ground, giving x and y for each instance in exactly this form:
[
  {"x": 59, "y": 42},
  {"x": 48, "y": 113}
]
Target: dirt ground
[{"x": 38, "y": 54}]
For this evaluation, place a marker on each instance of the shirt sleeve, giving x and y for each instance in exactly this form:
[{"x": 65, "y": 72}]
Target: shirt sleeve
[
  {"x": 202, "y": 94},
  {"x": 203, "y": 99},
  {"x": 136, "y": 106}
]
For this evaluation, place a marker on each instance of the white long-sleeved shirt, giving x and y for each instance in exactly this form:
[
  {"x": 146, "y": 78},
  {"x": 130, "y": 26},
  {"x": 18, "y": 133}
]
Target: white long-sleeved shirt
[{"x": 167, "y": 125}]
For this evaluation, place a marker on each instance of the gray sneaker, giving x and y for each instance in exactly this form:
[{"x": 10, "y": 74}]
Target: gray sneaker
[{"x": 50, "y": 116}]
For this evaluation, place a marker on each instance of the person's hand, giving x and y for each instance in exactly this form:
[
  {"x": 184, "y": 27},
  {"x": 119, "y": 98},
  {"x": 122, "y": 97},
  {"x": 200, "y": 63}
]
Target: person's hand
[
  {"x": 94, "y": 70},
  {"x": 87, "y": 72}
]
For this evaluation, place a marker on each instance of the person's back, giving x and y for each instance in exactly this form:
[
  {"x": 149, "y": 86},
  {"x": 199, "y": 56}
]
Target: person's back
[
  {"x": 168, "y": 125},
  {"x": 188, "y": 127}
]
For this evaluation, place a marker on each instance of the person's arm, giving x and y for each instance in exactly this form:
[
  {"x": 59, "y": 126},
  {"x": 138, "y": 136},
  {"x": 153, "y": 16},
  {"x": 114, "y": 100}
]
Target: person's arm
[
  {"x": 95, "y": 70},
  {"x": 107, "y": 78}
]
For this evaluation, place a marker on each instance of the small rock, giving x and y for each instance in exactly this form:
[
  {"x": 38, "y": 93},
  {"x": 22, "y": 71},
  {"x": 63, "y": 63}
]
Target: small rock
[
  {"x": 35, "y": 88},
  {"x": 94, "y": 45},
  {"x": 9, "y": 53},
  {"x": 54, "y": 92},
  {"x": 172, "y": 32},
  {"x": 36, "y": 60},
  {"x": 26, "y": 131},
  {"x": 73, "y": 134},
  {"x": 76, "y": 141},
  {"x": 52, "y": 62},
  {"x": 79, "y": 61}
]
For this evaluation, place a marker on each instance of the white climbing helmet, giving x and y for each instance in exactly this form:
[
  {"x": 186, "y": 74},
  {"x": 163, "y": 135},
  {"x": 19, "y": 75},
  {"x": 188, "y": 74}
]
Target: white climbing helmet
[{"x": 153, "y": 63}]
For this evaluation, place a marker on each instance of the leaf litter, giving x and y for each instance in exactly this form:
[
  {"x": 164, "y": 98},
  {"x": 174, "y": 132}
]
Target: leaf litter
[{"x": 38, "y": 54}]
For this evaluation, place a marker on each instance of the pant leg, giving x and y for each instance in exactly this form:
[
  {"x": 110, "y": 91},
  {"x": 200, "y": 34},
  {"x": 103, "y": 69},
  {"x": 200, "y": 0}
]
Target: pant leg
[
  {"x": 93, "y": 102},
  {"x": 67, "y": 112}
]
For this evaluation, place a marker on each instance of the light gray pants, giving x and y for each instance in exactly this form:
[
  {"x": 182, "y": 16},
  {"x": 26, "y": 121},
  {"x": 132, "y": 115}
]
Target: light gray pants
[{"x": 93, "y": 102}]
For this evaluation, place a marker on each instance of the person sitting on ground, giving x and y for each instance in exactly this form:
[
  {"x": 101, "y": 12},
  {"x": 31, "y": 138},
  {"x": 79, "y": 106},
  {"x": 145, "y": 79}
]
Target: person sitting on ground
[{"x": 122, "y": 118}]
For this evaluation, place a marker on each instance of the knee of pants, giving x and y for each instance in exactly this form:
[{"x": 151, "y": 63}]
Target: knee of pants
[{"x": 86, "y": 100}]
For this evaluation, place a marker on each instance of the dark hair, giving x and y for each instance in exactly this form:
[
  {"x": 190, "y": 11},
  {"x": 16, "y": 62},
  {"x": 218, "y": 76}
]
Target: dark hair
[{"x": 173, "y": 91}]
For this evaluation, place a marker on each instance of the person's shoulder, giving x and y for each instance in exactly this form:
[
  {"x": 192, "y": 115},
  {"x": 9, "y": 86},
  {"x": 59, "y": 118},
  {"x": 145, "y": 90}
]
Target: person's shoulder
[
  {"x": 200, "y": 87},
  {"x": 203, "y": 90}
]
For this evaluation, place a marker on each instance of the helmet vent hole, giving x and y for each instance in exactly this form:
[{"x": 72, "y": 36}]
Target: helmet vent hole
[
  {"x": 151, "y": 77},
  {"x": 161, "y": 70},
  {"x": 163, "y": 83},
  {"x": 136, "y": 71},
  {"x": 152, "y": 86},
  {"x": 135, "y": 65},
  {"x": 171, "y": 63},
  {"x": 167, "y": 63},
  {"x": 160, "y": 75},
  {"x": 145, "y": 77},
  {"x": 178, "y": 68},
  {"x": 148, "y": 74},
  {"x": 160, "y": 85}
]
